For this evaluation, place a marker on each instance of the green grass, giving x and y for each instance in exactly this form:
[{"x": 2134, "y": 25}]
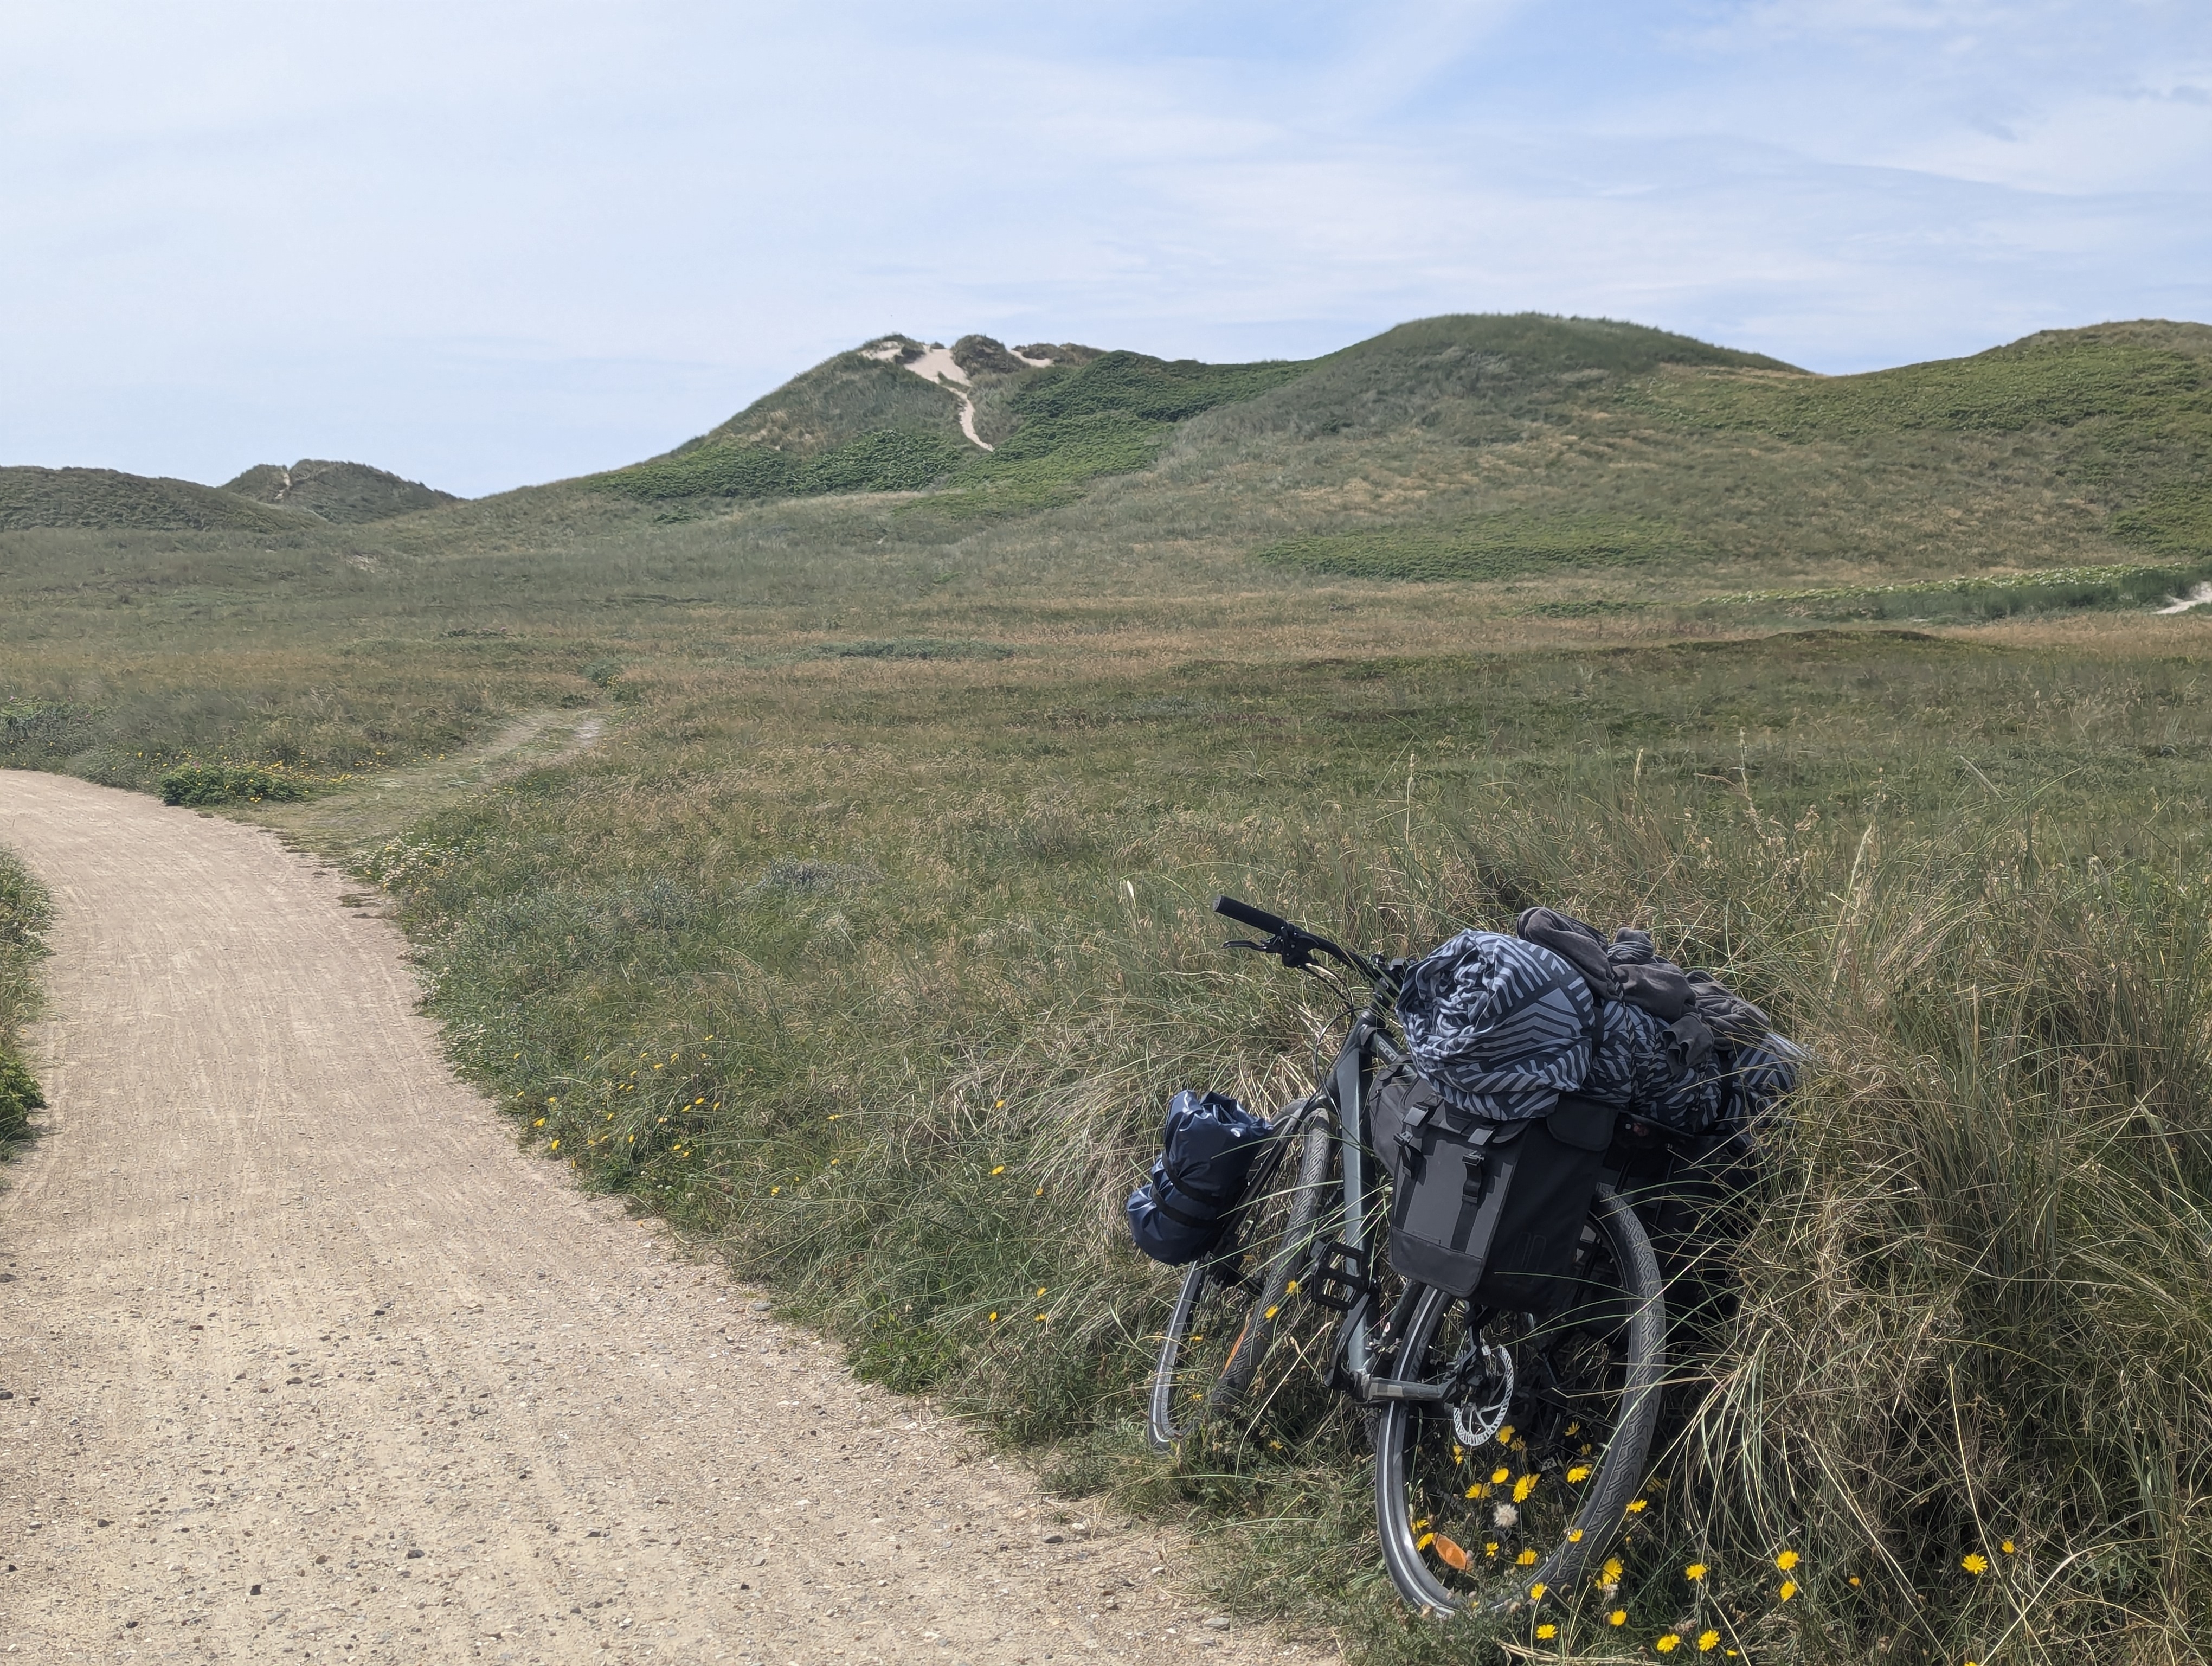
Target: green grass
[
  {"x": 894, "y": 857},
  {"x": 25, "y": 914},
  {"x": 1494, "y": 547}
]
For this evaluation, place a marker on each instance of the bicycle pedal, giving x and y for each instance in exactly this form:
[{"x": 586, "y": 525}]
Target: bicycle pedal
[{"x": 1336, "y": 1277}]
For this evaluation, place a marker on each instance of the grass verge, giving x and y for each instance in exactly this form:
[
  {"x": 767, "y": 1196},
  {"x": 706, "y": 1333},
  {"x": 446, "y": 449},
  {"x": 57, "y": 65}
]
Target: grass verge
[{"x": 24, "y": 913}]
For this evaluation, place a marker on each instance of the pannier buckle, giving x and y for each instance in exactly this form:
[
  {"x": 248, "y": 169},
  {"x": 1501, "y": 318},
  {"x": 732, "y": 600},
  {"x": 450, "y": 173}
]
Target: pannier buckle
[{"x": 1336, "y": 1276}]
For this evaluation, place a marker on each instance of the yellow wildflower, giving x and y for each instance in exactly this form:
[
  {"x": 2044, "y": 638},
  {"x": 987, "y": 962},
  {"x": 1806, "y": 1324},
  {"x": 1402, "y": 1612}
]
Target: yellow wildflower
[
  {"x": 1522, "y": 1489},
  {"x": 1546, "y": 1633},
  {"x": 1708, "y": 1641},
  {"x": 1526, "y": 1558},
  {"x": 1636, "y": 1508},
  {"x": 1695, "y": 1571},
  {"x": 1001, "y": 1169},
  {"x": 1789, "y": 1589},
  {"x": 1786, "y": 1560},
  {"x": 2007, "y": 1546},
  {"x": 1975, "y": 1563},
  {"x": 1574, "y": 1536},
  {"x": 1500, "y": 1477},
  {"x": 1618, "y": 1617},
  {"x": 1536, "y": 1592},
  {"x": 1669, "y": 1644},
  {"x": 1580, "y": 1471}
]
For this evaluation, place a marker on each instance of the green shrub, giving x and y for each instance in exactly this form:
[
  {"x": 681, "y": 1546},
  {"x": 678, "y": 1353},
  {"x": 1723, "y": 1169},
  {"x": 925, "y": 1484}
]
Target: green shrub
[
  {"x": 224, "y": 783},
  {"x": 19, "y": 1095}
]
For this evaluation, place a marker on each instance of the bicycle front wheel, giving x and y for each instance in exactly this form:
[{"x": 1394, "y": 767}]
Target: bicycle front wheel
[
  {"x": 1512, "y": 1488},
  {"x": 1224, "y": 1319}
]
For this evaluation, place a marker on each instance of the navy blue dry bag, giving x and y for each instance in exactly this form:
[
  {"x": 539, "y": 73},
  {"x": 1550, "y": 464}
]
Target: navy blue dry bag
[{"x": 1208, "y": 1150}]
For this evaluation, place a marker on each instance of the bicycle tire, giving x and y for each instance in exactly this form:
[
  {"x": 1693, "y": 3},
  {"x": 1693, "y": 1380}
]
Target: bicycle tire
[
  {"x": 1244, "y": 1284},
  {"x": 1431, "y": 1492}
]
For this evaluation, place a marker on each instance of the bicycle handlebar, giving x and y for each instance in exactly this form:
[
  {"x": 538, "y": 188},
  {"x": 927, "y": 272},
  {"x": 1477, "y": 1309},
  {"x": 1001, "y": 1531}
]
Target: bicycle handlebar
[
  {"x": 1258, "y": 918},
  {"x": 1294, "y": 944}
]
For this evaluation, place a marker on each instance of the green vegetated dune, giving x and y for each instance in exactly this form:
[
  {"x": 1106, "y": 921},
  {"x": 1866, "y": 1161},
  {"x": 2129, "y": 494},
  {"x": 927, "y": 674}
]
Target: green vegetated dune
[
  {"x": 267, "y": 499},
  {"x": 104, "y": 499},
  {"x": 344, "y": 493},
  {"x": 870, "y": 936}
]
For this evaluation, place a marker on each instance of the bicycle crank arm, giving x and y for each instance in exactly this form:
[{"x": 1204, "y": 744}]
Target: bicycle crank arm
[{"x": 1370, "y": 1388}]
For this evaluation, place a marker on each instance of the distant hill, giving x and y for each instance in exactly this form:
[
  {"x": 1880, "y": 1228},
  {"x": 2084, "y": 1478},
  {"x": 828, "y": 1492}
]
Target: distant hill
[
  {"x": 106, "y": 498},
  {"x": 346, "y": 493},
  {"x": 864, "y": 421}
]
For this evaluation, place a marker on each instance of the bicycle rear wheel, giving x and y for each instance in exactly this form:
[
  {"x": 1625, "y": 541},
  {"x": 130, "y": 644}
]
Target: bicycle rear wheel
[
  {"x": 1513, "y": 1487},
  {"x": 1225, "y": 1318}
]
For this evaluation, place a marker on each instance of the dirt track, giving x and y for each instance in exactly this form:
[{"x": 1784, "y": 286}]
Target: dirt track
[{"x": 307, "y": 1362}]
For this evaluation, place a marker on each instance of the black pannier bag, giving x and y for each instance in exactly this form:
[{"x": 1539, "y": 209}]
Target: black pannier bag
[
  {"x": 1493, "y": 1210},
  {"x": 1208, "y": 1147}
]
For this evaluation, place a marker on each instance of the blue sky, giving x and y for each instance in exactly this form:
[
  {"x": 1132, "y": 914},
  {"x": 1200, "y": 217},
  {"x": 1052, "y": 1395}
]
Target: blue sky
[{"x": 488, "y": 244}]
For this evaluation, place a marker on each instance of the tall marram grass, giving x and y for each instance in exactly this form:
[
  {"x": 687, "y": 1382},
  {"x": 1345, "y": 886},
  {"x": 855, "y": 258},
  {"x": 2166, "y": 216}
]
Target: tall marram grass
[
  {"x": 24, "y": 913},
  {"x": 1966, "y": 1307},
  {"x": 1970, "y": 1314}
]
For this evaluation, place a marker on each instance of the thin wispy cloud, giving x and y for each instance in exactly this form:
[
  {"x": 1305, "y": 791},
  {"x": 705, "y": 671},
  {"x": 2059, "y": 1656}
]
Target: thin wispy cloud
[{"x": 495, "y": 243}]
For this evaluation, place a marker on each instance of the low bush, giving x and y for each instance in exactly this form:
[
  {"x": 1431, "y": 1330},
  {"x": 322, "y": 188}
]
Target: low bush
[{"x": 226, "y": 783}]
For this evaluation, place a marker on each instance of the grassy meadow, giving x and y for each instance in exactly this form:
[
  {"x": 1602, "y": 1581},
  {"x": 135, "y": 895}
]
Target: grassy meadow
[{"x": 870, "y": 936}]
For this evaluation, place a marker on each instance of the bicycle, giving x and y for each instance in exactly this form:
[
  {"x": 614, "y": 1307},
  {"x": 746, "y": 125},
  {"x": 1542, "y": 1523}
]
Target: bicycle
[{"x": 1508, "y": 1446}]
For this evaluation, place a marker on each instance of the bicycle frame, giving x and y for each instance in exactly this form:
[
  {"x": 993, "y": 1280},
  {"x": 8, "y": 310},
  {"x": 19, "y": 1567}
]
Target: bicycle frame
[{"x": 1359, "y": 1359}]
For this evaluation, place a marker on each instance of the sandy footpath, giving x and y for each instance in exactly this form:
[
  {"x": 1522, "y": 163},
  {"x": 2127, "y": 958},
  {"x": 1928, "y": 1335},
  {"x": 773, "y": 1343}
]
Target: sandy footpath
[{"x": 303, "y": 1360}]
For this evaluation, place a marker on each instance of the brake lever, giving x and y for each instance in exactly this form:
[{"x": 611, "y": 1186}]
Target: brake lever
[{"x": 1293, "y": 956}]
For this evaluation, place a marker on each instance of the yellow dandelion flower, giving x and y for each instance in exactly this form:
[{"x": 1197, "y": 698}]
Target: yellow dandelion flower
[
  {"x": 1490, "y": 1549},
  {"x": 773, "y": 1190},
  {"x": 1424, "y": 1541},
  {"x": 1612, "y": 1570},
  {"x": 1618, "y": 1617},
  {"x": 1708, "y": 1641},
  {"x": 1505, "y": 1435},
  {"x": 1040, "y": 1318},
  {"x": 994, "y": 1318},
  {"x": 2007, "y": 1546},
  {"x": 1637, "y": 1507},
  {"x": 540, "y": 1124},
  {"x": 1786, "y": 1560},
  {"x": 1854, "y": 1580},
  {"x": 1522, "y": 1489},
  {"x": 1526, "y": 1558},
  {"x": 1669, "y": 1644},
  {"x": 1480, "y": 1490},
  {"x": 1546, "y": 1633},
  {"x": 1001, "y": 1169},
  {"x": 1040, "y": 1290},
  {"x": 1975, "y": 1563},
  {"x": 1789, "y": 1589},
  {"x": 1536, "y": 1592},
  {"x": 1500, "y": 1477},
  {"x": 1580, "y": 1471},
  {"x": 555, "y": 1145},
  {"x": 1574, "y": 1536},
  {"x": 1695, "y": 1571}
]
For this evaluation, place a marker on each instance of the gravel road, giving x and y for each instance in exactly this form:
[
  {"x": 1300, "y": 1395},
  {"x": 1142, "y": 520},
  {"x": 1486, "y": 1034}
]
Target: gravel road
[{"x": 302, "y": 1360}]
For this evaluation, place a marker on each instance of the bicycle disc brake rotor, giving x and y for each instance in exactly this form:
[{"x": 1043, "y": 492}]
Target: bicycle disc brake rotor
[{"x": 1476, "y": 1420}]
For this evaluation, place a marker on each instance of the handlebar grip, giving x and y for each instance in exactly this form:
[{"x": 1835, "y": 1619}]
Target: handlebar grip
[{"x": 1245, "y": 914}]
